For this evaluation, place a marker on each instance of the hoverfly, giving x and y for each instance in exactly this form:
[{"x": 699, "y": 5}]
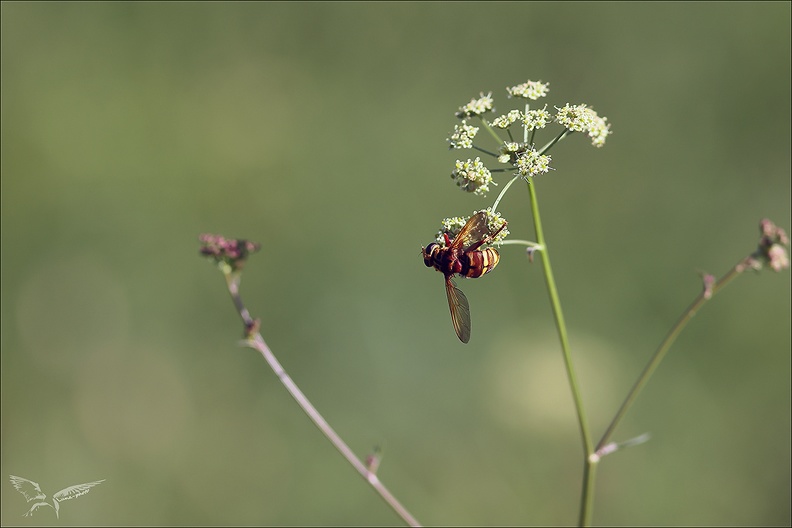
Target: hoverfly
[{"x": 463, "y": 256}]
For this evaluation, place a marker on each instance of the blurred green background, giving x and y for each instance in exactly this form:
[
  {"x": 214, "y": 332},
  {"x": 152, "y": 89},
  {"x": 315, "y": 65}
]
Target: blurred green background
[{"x": 319, "y": 130}]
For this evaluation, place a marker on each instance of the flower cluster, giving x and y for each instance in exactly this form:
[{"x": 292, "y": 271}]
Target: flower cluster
[
  {"x": 523, "y": 157},
  {"x": 463, "y": 136},
  {"x": 529, "y": 90},
  {"x": 581, "y": 118},
  {"x": 509, "y": 151},
  {"x": 536, "y": 119},
  {"x": 472, "y": 176},
  {"x": 476, "y": 107},
  {"x": 507, "y": 120},
  {"x": 531, "y": 163}
]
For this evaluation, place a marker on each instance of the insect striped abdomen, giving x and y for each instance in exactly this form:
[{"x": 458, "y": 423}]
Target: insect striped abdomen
[{"x": 477, "y": 263}]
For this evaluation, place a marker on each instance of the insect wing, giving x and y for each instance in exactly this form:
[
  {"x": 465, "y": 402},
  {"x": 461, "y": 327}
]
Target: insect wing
[
  {"x": 460, "y": 310},
  {"x": 474, "y": 231}
]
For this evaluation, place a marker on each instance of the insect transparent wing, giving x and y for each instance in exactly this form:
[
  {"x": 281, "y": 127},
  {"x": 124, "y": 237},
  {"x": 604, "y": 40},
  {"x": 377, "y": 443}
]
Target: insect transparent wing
[
  {"x": 460, "y": 310},
  {"x": 474, "y": 231}
]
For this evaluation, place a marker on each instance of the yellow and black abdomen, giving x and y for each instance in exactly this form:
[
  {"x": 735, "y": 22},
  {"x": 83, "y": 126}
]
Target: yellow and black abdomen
[{"x": 477, "y": 263}]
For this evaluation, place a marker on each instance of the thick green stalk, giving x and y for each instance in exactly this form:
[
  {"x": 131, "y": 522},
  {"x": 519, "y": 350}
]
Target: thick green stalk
[{"x": 555, "y": 302}]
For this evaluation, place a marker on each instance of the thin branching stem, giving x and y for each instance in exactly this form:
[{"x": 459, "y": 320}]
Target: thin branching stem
[
  {"x": 502, "y": 193},
  {"x": 256, "y": 341},
  {"x": 491, "y": 131},
  {"x": 661, "y": 351},
  {"x": 485, "y": 151},
  {"x": 564, "y": 133},
  {"x": 673, "y": 333}
]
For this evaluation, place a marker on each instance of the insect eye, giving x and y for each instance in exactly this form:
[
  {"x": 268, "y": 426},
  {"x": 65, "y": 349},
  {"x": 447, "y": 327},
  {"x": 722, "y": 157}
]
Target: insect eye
[{"x": 428, "y": 251}]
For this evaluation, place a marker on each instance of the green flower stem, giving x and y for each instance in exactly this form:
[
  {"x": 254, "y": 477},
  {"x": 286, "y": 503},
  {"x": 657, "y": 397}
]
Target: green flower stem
[
  {"x": 489, "y": 129},
  {"x": 485, "y": 151},
  {"x": 502, "y": 193},
  {"x": 256, "y": 341},
  {"x": 589, "y": 469},
  {"x": 661, "y": 351},
  {"x": 587, "y": 495},
  {"x": 564, "y": 133}
]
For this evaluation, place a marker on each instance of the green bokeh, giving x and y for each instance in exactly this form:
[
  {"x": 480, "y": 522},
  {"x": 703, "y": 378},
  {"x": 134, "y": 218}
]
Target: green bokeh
[{"x": 319, "y": 130}]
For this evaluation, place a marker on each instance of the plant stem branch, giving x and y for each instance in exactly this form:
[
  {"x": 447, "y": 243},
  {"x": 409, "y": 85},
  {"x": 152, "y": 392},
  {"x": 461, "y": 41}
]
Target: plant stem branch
[
  {"x": 661, "y": 351},
  {"x": 256, "y": 341},
  {"x": 489, "y": 129},
  {"x": 502, "y": 193}
]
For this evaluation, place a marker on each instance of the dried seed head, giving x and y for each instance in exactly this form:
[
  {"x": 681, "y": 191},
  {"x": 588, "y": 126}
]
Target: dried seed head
[
  {"x": 229, "y": 254},
  {"x": 772, "y": 251}
]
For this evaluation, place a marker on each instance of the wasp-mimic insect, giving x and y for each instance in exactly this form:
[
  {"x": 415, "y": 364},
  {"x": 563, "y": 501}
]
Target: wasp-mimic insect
[{"x": 462, "y": 256}]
